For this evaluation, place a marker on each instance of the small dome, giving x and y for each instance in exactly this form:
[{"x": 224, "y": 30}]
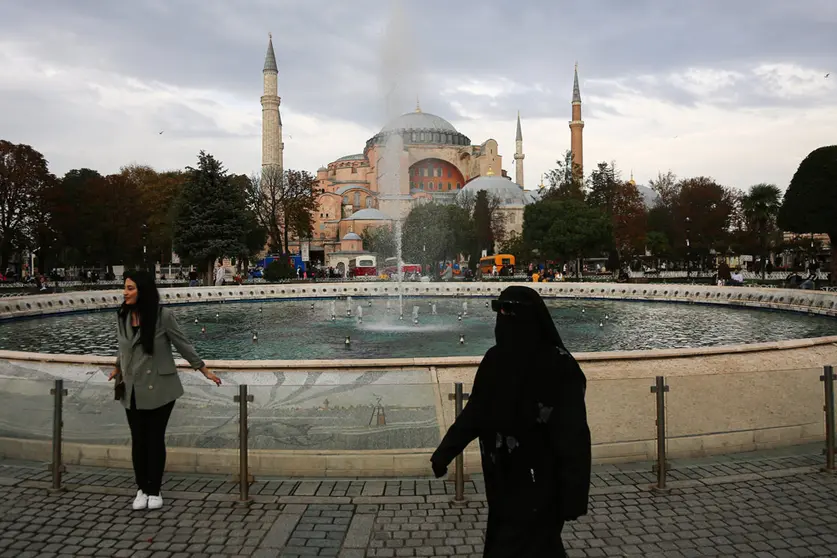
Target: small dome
[
  {"x": 352, "y": 236},
  {"x": 322, "y": 169},
  {"x": 419, "y": 121},
  {"x": 370, "y": 214},
  {"x": 510, "y": 193},
  {"x": 355, "y": 157}
]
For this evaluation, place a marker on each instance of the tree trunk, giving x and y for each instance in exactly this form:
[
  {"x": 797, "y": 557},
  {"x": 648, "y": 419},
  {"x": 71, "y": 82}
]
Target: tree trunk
[
  {"x": 287, "y": 246},
  {"x": 210, "y": 276}
]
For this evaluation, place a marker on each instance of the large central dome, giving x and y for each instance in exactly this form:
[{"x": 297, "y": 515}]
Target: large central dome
[
  {"x": 420, "y": 128},
  {"x": 419, "y": 121}
]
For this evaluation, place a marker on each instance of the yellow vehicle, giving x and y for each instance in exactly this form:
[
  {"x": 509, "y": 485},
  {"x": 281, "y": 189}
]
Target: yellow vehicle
[{"x": 502, "y": 261}]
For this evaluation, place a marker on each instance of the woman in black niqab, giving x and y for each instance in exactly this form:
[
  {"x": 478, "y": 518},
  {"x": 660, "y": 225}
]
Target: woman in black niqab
[{"x": 527, "y": 409}]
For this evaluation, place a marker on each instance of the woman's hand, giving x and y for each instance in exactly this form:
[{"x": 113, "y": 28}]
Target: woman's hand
[
  {"x": 210, "y": 376},
  {"x": 113, "y": 374}
]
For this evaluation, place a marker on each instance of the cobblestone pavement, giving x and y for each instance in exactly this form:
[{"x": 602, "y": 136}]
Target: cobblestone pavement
[{"x": 768, "y": 504}]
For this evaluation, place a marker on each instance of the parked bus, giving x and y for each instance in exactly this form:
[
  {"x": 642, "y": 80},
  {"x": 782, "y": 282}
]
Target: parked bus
[
  {"x": 502, "y": 261},
  {"x": 363, "y": 266}
]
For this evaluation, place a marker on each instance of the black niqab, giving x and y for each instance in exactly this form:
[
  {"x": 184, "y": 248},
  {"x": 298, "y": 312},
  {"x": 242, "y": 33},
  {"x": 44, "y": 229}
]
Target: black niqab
[{"x": 527, "y": 409}]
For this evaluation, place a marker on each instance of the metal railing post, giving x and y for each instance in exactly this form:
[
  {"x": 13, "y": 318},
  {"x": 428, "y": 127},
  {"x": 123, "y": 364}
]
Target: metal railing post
[
  {"x": 57, "y": 466},
  {"x": 661, "y": 468},
  {"x": 828, "y": 381},
  {"x": 459, "y": 398},
  {"x": 244, "y": 478}
]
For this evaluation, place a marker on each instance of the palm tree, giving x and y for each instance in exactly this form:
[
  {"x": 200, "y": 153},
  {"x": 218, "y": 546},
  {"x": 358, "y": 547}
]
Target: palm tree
[{"x": 760, "y": 206}]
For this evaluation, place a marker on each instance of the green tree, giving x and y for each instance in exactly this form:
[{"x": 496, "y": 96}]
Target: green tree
[
  {"x": 810, "y": 203},
  {"x": 74, "y": 209},
  {"x": 299, "y": 204},
  {"x": 24, "y": 177},
  {"x": 380, "y": 240},
  {"x": 467, "y": 200},
  {"x": 702, "y": 217},
  {"x": 517, "y": 247},
  {"x": 278, "y": 270},
  {"x": 658, "y": 244},
  {"x": 116, "y": 232},
  {"x": 760, "y": 208},
  {"x": 158, "y": 192},
  {"x": 284, "y": 203},
  {"x": 565, "y": 229},
  {"x": 211, "y": 217},
  {"x": 434, "y": 232},
  {"x": 484, "y": 235},
  {"x": 564, "y": 180}
]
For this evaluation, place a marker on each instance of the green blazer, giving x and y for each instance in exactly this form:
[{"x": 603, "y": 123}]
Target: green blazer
[{"x": 153, "y": 378}]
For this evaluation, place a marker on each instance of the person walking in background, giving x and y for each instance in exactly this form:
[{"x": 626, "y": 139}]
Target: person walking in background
[
  {"x": 219, "y": 275},
  {"x": 527, "y": 409},
  {"x": 146, "y": 377}
]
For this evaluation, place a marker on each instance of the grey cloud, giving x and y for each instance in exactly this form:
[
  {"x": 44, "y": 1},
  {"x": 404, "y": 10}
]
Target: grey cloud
[
  {"x": 330, "y": 53},
  {"x": 319, "y": 43}
]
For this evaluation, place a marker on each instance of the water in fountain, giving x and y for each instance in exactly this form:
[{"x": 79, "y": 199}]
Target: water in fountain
[
  {"x": 433, "y": 309},
  {"x": 359, "y": 314},
  {"x": 333, "y": 310},
  {"x": 464, "y": 308}
]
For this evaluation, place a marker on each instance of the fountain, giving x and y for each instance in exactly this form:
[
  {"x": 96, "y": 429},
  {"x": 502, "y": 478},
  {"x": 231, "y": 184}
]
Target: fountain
[
  {"x": 399, "y": 83},
  {"x": 433, "y": 308},
  {"x": 359, "y": 314},
  {"x": 333, "y": 310},
  {"x": 415, "y": 314},
  {"x": 464, "y": 308}
]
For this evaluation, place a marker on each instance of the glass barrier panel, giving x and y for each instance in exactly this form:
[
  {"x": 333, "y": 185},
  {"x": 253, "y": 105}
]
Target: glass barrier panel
[
  {"x": 621, "y": 410},
  {"x": 206, "y": 416},
  {"x": 26, "y": 409},
  {"x": 350, "y": 411},
  {"x": 744, "y": 411},
  {"x": 92, "y": 415}
]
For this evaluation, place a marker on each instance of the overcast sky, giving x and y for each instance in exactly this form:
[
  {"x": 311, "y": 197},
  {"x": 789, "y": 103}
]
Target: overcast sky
[{"x": 735, "y": 90}]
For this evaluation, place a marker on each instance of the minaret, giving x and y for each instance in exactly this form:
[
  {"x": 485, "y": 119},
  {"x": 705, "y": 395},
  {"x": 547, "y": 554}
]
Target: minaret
[
  {"x": 272, "y": 146},
  {"x": 518, "y": 154},
  {"x": 576, "y": 127}
]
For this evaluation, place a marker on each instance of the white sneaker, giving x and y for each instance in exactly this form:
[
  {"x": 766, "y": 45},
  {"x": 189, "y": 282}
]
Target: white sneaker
[
  {"x": 141, "y": 501},
  {"x": 155, "y": 502}
]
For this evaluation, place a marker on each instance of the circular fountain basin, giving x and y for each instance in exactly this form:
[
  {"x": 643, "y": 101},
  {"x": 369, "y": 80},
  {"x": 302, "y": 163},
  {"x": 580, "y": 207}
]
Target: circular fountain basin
[
  {"x": 430, "y": 326},
  {"x": 743, "y": 365}
]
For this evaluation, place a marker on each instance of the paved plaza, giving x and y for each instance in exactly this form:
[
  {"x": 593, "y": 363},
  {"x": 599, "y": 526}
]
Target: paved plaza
[{"x": 766, "y": 504}]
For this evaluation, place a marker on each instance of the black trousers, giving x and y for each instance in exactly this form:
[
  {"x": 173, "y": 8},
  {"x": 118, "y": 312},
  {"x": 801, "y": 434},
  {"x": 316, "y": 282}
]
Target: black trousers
[{"x": 148, "y": 444}]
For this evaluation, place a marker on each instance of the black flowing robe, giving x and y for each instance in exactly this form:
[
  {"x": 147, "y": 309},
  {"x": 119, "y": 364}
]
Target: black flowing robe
[{"x": 527, "y": 409}]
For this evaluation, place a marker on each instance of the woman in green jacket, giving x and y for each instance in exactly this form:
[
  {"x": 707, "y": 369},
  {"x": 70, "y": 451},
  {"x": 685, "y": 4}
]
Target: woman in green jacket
[{"x": 147, "y": 381}]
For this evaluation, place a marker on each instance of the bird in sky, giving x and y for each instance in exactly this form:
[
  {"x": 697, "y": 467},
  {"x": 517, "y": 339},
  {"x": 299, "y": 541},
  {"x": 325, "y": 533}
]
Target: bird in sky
[
  {"x": 828, "y": 74},
  {"x": 161, "y": 133}
]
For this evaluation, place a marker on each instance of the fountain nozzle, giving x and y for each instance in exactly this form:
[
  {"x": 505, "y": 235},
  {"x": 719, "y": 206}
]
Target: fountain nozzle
[
  {"x": 203, "y": 329},
  {"x": 461, "y": 339},
  {"x": 255, "y": 337},
  {"x": 348, "y": 342}
]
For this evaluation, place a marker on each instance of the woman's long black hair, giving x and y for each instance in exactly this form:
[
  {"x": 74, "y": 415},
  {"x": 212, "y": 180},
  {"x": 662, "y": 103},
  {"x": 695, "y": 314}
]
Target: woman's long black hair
[{"x": 147, "y": 306}]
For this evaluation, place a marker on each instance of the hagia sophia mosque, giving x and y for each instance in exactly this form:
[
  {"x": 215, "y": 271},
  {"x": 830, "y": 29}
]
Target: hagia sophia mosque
[{"x": 437, "y": 163}]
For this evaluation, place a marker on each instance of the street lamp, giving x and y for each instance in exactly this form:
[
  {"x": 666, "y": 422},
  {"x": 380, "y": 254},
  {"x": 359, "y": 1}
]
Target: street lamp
[{"x": 144, "y": 246}]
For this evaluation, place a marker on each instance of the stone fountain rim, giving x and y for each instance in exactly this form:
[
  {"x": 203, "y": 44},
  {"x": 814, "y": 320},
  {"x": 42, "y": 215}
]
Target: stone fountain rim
[{"x": 471, "y": 290}]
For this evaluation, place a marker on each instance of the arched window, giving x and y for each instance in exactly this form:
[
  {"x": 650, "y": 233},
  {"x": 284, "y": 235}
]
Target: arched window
[
  {"x": 346, "y": 199},
  {"x": 357, "y": 199},
  {"x": 370, "y": 201}
]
